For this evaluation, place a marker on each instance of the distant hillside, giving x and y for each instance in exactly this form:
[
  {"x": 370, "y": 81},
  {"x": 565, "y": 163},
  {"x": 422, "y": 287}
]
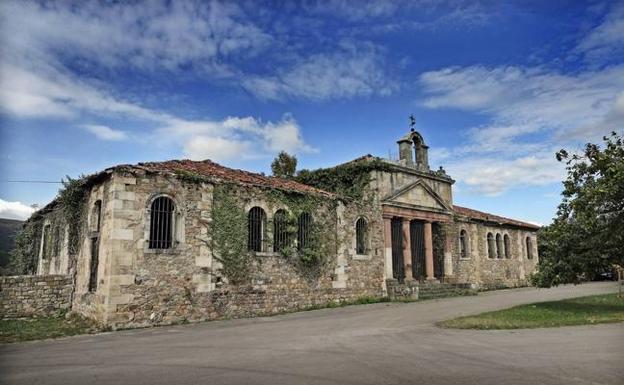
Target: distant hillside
[{"x": 8, "y": 230}]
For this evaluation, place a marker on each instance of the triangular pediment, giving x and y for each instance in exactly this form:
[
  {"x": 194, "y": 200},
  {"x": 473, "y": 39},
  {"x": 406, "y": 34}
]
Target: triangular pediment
[{"x": 417, "y": 195}]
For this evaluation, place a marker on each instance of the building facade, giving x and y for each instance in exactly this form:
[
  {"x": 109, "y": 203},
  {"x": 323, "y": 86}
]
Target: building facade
[{"x": 182, "y": 240}]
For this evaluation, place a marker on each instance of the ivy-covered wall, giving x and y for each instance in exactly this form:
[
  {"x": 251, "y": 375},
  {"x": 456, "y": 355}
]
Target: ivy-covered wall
[
  {"x": 209, "y": 273},
  {"x": 51, "y": 237}
]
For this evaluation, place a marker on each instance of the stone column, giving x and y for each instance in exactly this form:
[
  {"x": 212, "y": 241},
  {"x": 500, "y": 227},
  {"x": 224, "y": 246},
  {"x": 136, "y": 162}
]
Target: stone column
[
  {"x": 388, "y": 247},
  {"x": 429, "y": 251},
  {"x": 407, "y": 250}
]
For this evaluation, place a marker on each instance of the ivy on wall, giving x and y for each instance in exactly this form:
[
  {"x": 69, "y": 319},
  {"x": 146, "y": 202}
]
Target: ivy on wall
[
  {"x": 228, "y": 229},
  {"x": 228, "y": 235},
  {"x": 348, "y": 180},
  {"x": 23, "y": 258},
  {"x": 313, "y": 258},
  {"x": 72, "y": 199},
  {"x": 68, "y": 209},
  {"x": 439, "y": 234}
]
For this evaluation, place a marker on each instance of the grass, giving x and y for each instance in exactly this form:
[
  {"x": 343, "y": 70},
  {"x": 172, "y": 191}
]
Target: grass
[
  {"x": 42, "y": 328},
  {"x": 590, "y": 310}
]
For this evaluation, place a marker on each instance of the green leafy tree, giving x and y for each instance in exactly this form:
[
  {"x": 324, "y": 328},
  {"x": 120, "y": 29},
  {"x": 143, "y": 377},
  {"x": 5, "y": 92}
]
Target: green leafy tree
[
  {"x": 284, "y": 165},
  {"x": 587, "y": 236}
]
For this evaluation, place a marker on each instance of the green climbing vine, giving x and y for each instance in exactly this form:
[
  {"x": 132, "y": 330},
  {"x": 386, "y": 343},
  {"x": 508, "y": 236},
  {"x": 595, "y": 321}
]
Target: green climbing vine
[
  {"x": 312, "y": 258},
  {"x": 67, "y": 209},
  {"x": 348, "y": 180},
  {"x": 72, "y": 199},
  {"x": 23, "y": 258},
  {"x": 439, "y": 234},
  {"x": 228, "y": 235},
  {"x": 228, "y": 229}
]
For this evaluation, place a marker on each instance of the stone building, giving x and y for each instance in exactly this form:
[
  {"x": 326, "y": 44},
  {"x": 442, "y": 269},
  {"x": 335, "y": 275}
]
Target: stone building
[{"x": 183, "y": 240}]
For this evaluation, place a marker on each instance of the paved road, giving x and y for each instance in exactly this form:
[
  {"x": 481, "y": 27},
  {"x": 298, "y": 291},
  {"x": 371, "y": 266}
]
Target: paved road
[{"x": 371, "y": 344}]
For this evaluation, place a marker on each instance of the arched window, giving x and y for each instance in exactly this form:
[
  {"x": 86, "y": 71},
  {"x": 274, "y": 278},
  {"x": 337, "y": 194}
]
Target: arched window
[
  {"x": 161, "y": 223},
  {"x": 507, "y": 246},
  {"x": 46, "y": 240},
  {"x": 281, "y": 237},
  {"x": 529, "y": 248},
  {"x": 304, "y": 228},
  {"x": 256, "y": 220},
  {"x": 499, "y": 246},
  {"x": 96, "y": 216},
  {"x": 56, "y": 239},
  {"x": 491, "y": 246},
  {"x": 463, "y": 244},
  {"x": 96, "y": 221},
  {"x": 361, "y": 236}
]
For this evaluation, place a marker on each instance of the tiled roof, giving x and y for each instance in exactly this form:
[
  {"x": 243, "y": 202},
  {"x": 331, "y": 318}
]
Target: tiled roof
[
  {"x": 216, "y": 172},
  {"x": 480, "y": 215}
]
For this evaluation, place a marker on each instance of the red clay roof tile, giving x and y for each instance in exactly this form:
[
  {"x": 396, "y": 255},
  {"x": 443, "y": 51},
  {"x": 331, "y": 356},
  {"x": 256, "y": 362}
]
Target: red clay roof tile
[
  {"x": 215, "y": 171},
  {"x": 480, "y": 215}
]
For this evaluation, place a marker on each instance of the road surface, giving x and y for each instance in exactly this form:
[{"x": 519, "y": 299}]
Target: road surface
[{"x": 370, "y": 344}]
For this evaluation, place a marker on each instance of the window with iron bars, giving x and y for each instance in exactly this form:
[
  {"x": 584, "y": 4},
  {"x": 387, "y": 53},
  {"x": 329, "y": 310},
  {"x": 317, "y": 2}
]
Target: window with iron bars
[
  {"x": 361, "y": 236},
  {"x": 256, "y": 220},
  {"x": 161, "y": 223},
  {"x": 304, "y": 230},
  {"x": 281, "y": 237}
]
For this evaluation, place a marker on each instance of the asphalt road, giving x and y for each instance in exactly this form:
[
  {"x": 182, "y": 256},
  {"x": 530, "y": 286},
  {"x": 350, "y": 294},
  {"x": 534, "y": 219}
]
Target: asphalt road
[{"x": 370, "y": 344}]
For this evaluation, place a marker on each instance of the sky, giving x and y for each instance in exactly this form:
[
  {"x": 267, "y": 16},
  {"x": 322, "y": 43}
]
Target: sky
[{"x": 496, "y": 89}]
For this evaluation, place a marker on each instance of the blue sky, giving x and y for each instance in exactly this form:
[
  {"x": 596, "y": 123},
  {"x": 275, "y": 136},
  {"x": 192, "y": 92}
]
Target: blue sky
[{"x": 495, "y": 88}]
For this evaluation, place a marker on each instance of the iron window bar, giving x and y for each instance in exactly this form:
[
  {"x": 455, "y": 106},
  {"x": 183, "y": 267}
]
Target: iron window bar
[{"x": 161, "y": 223}]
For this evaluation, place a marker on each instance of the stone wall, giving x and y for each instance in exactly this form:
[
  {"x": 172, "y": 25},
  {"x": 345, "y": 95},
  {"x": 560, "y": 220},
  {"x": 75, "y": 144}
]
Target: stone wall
[
  {"x": 141, "y": 287},
  {"x": 479, "y": 269},
  {"x": 34, "y": 296}
]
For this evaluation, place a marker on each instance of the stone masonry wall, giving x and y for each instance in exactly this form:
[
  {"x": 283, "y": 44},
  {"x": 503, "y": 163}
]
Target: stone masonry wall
[
  {"x": 477, "y": 268},
  {"x": 34, "y": 296},
  {"x": 143, "y": 287}
]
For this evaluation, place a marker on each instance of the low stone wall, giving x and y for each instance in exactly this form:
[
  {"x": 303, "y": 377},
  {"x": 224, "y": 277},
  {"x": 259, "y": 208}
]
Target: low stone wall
[
  {"x": 34, "y": 295},
  {"x": 407, "y": 290}
]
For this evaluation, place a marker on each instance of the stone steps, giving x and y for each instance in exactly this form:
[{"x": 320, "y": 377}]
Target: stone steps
[{"x": 443, "y": 290}]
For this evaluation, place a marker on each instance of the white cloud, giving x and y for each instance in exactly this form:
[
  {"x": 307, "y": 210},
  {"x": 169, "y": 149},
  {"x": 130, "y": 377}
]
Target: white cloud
[
  {"x": 607, "y": 38},
  {"x": 235, "y": 138},
  {"x": 431, "y": 14},
  {"x": 492, "y": 176},
  {"x": 522, "y": 100},
  {"x": 346, "y": 74},
  {"x": 15, "y": 210},
  {"x": 215, "y": 148},
  {"x": 48, "y": 92},
  {"x": 358, "y": 10},
  {"x": 533, "y": 112},
  {"x": 154, "y": 35},
  {"x": 105, "y": 133}
]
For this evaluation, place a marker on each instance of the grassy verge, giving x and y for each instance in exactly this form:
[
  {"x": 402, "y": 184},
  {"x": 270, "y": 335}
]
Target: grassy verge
[
  {"x": 575, "y": 311},
  {"x": 42, "y": 328}
]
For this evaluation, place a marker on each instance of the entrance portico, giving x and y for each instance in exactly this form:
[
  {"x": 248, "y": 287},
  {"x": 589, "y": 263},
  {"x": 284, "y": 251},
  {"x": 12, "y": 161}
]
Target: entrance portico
[{"x": 409, "y": 238}]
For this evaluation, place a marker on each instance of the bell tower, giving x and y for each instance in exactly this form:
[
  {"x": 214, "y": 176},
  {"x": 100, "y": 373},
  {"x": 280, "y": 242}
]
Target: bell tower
[{"x": 413, "y": 152}]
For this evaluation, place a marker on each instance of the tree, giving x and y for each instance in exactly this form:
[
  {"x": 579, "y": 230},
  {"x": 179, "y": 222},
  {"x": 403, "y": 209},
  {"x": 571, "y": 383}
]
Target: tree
[
  {"x": 284, "y": 165},
  {"x": 587, "y": 235}
]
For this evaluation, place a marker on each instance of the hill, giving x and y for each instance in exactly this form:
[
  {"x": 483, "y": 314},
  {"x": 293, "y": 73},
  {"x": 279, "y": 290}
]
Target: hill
[{"x": 8, "y": 230}]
